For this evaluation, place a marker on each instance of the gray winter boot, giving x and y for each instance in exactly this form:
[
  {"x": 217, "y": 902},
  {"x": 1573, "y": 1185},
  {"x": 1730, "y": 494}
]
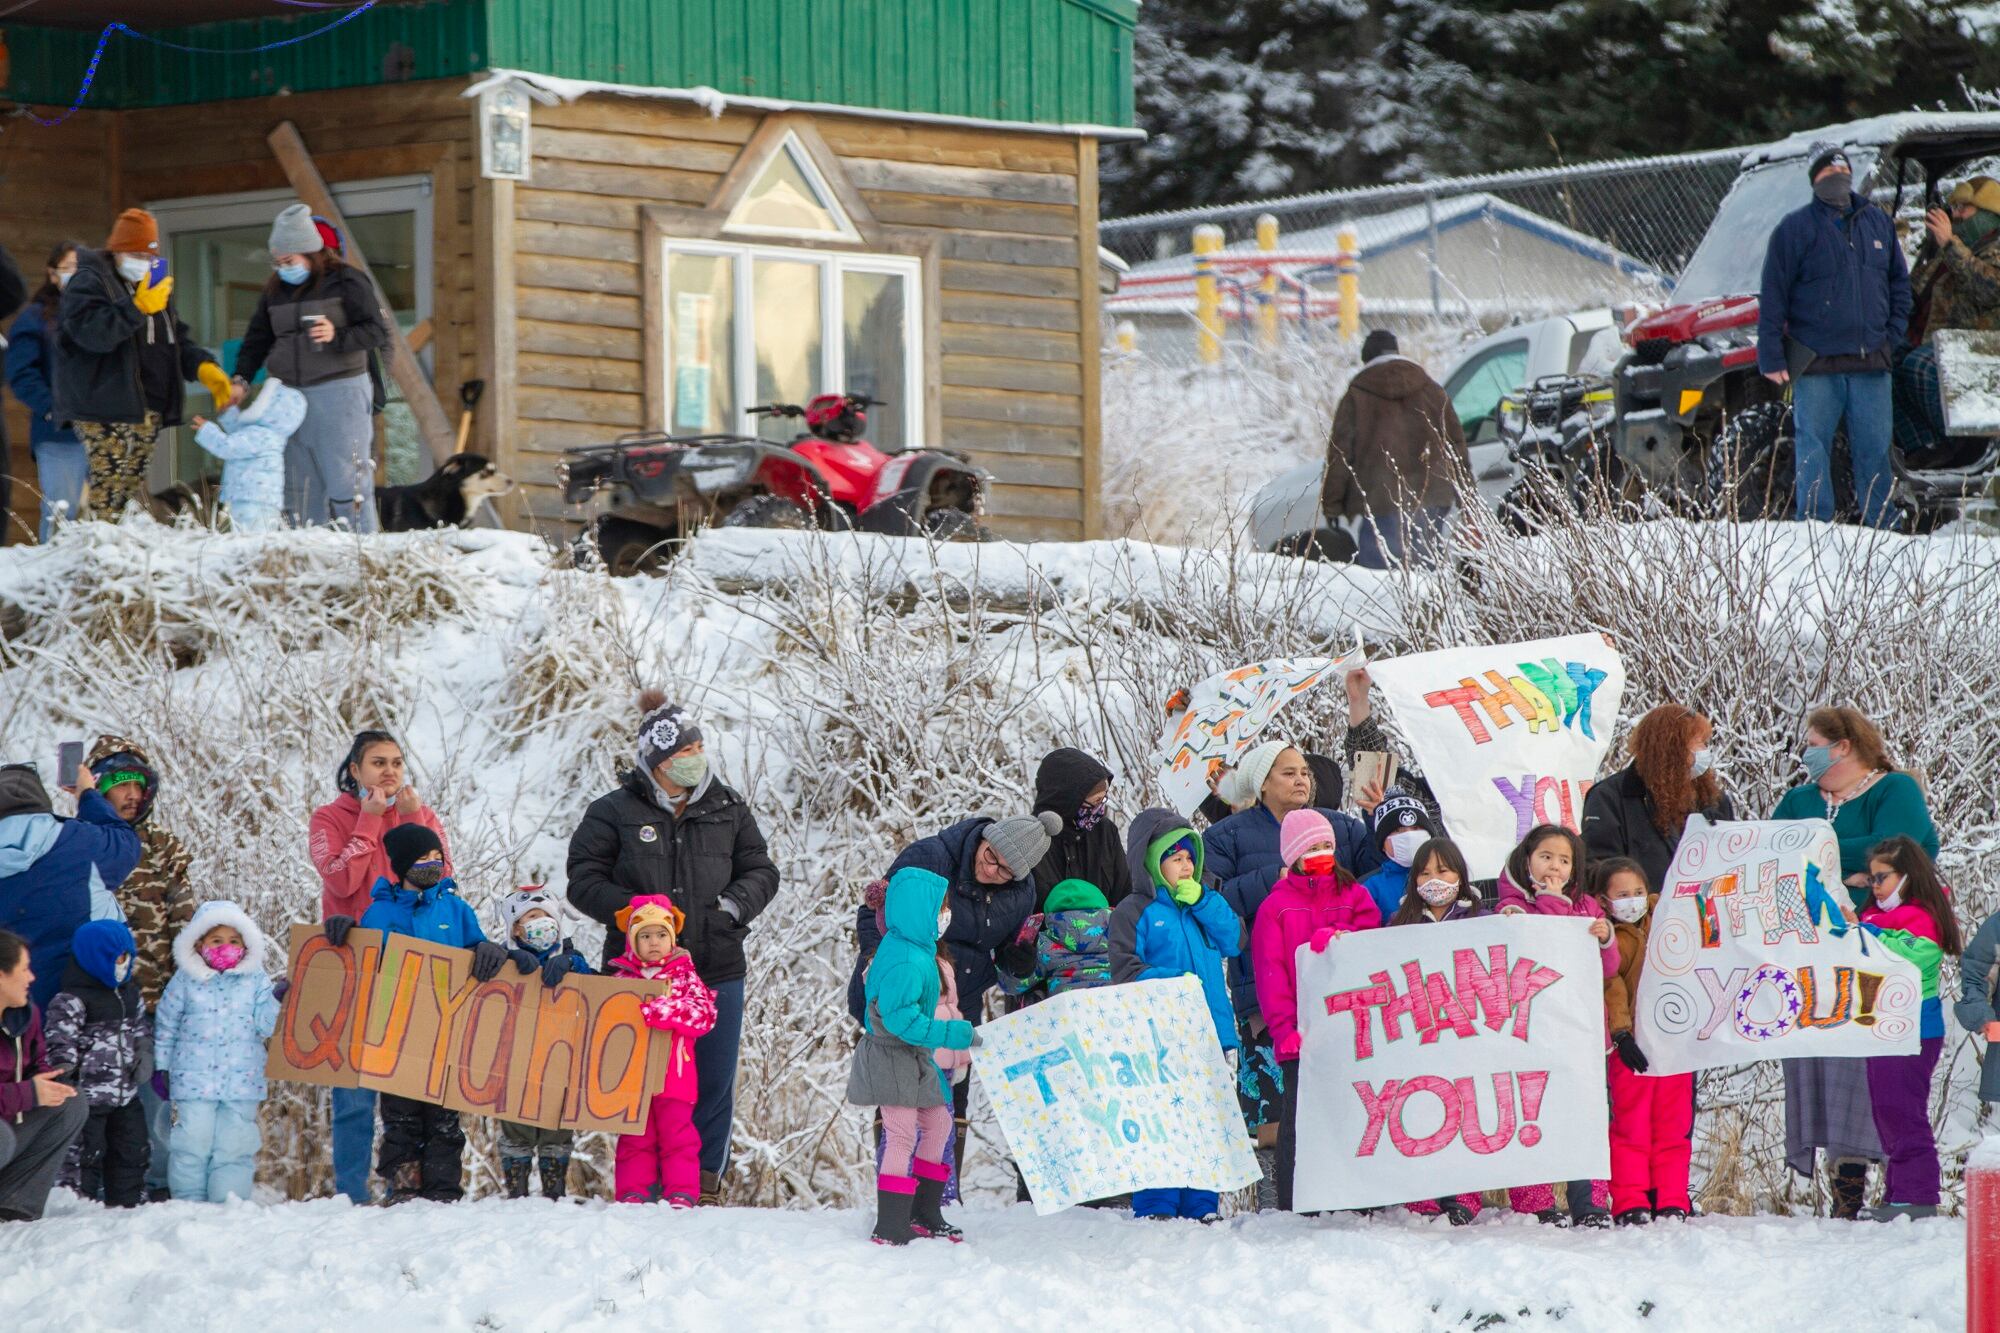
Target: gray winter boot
[{"x": 1889, "y": 1212}]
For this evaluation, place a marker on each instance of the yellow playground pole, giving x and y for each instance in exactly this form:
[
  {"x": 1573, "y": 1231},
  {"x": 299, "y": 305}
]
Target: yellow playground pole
[
  {"x": 1349, "y": 269},
  {"x": 1267, "y": 287},
  {"x": 1207, "y": 300}
]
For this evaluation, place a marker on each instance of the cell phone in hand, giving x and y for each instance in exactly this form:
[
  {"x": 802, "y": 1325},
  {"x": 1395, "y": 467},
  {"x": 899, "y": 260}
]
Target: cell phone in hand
[
  {"x": 157, "y": 270},
  {"x": 69, "y": 763},
  {"x": 1374, "y": 768}
]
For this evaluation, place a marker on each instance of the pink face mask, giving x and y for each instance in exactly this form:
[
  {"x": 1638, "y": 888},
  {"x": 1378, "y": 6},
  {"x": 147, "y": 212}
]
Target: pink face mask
[{"x": 222, "y": 957}]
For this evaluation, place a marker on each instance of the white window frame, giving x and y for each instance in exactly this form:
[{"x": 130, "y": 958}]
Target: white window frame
[
  {"x": 833, "y": 343},
  {"x": 823, "y": 194}
]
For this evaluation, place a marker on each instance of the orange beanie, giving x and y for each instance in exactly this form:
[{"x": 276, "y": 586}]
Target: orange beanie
[{"x": 134, "y": 231}]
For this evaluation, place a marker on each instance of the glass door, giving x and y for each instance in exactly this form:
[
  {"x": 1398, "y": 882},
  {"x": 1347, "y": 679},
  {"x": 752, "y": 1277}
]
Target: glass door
[{"x": 216, "y": 250}]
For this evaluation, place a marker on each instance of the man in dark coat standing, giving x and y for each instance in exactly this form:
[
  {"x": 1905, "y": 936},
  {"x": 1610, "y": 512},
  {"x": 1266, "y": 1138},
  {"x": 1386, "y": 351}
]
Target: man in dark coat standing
[
  {"x": 671, "y": 828},
  {"x": 1834, "y": 305},
  {"x": 1394, "y": 458}
]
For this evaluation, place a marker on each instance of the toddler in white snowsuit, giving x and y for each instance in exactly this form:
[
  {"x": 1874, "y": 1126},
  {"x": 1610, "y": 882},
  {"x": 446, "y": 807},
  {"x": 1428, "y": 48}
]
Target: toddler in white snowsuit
[{"x": 250, "y": 441}]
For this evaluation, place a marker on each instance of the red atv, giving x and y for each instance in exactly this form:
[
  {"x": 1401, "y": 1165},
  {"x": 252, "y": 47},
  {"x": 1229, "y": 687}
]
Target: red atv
[
  {"x": 649, "y": 491},
  {"x": 1695, "y": 422}
]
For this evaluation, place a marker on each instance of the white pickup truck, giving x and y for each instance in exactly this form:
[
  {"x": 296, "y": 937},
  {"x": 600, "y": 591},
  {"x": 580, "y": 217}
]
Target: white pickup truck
[{"x": 1285, "y": 515}]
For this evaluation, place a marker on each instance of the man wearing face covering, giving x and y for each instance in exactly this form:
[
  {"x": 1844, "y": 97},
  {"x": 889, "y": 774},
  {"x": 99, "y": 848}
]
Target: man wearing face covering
[
  {"x": 1834, "y": 306},
  {"x": 1957, "y": 286}
]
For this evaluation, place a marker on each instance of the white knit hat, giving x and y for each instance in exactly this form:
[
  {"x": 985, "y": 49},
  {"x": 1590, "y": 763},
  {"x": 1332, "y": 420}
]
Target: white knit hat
[{"x": 1245, "y": 783}]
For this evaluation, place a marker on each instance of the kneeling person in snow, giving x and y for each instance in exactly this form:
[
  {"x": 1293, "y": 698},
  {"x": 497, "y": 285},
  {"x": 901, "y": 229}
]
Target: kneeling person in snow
[
  {"x": 534, "y": 920},
  {"x": 208, "y": 1042},
  {"x": 663, "y": 1160},
  {"x": 97, "y": 1029},
  {"x": 250, "y": 441}
]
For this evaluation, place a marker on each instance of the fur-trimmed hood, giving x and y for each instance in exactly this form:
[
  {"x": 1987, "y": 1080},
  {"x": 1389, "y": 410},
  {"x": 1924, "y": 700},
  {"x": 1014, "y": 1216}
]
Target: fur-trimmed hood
[{"x": 206, "y": 918}]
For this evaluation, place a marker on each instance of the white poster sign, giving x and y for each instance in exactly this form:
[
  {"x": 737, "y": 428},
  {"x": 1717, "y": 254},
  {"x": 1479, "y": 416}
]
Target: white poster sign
[
  {"x": 1509, "y": 736},
  {"x": 1443, "y": 1059},
  {"x": 1749, "y": 957},
  {"x": 1113, "y": 1089},
  {"x": 1226, "y": 715}
]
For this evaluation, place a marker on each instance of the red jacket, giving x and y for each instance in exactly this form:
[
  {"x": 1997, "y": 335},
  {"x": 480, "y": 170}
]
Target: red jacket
[
  {"x": 346, "y": 849},
  {"x": 1298, "y": 908}
]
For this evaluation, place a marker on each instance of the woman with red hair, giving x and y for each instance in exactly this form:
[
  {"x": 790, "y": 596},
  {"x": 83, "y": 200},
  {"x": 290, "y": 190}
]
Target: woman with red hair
[{"x": 1640, "y": 810}]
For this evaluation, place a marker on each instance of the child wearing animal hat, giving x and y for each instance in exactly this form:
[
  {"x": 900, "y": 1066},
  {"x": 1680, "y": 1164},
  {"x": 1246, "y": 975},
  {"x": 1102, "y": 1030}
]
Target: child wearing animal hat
[
  {"x": 663, "y": 1161},
  {"x": 98, "y": 1029},
  {"x": 1399, "y": 826},
  {"x": 534, "y": 920}
]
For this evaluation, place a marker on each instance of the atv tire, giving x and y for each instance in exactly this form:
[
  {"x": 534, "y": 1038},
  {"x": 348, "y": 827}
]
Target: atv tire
[
  {"x": 955, "y": 525},
  {"x": 1750, "y": 464},
  {"x": 629, "y": 548},
  {"x": 768, "y": 511}
]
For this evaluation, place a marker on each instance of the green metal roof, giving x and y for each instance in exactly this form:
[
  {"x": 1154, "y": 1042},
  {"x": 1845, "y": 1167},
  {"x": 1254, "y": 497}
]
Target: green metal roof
[{"x": 1037, "y": 61}]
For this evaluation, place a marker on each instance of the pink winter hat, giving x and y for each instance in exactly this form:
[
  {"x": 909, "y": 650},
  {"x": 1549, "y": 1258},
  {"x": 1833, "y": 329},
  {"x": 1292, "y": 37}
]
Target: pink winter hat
[{"x": 1302, "y": 831}]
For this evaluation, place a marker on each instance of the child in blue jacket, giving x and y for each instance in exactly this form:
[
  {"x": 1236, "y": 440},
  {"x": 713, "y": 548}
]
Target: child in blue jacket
[
  {"x": 1182, "y": 930},
  {"x": 422, "y": 1144},
  {"x": 534, "y": 920},
  {"x": 250, "y": 441}
]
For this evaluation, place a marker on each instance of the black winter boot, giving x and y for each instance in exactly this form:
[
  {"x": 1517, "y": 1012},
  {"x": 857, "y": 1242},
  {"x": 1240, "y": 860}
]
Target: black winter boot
[
  {"x": 892, "y": 1211},
  {"x": 514, "y": 1172},
  {"x": 1850, "y": 1189},
  {"x": 927, "y": 1208},
  {"x": 555, "y": 1176}
]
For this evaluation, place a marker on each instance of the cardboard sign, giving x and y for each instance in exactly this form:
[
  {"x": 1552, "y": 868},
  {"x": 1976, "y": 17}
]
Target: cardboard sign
[
  {"x": 1113, "y": 1089},
  {"x": 402, "y": 1015},
  {"x": 1448, "y": 1058},
  {"x": 1509, "y": 736},
  {"x": 1226, "y": 715},
  {"x": 1749, "y": 957}
]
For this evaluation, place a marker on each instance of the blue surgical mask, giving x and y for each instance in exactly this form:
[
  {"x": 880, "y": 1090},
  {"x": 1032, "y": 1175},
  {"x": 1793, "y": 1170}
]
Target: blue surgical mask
[
  {"x": 1703, "y": 761},
  {"x": 293, "y": 273},
  {"x": 1817, "y": 760}
]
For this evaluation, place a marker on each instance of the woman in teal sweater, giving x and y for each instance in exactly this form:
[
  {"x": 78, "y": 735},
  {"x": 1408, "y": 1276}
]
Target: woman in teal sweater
[{"x": 1852, "y": 784}]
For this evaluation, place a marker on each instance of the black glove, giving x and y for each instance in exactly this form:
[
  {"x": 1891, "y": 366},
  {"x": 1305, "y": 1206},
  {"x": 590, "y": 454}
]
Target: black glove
[
  {"x": 1628, "y": 1051},
  {"x": 524, "y": 962},
  {"x": 337, "y": 928},
  {"x": 280, "y": 987},
  {"x": 486, "y": 959},
  {"x": 555, "y": 969}
]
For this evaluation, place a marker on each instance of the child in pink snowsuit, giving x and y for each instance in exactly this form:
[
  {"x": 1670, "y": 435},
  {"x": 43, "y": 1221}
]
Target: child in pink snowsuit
[
  {"x": 663, "y": 1161},
  {"x": 1545, "y": 876}
]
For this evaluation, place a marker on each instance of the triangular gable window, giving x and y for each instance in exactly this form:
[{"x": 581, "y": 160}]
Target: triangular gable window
[{"x": 789, "y": 197}]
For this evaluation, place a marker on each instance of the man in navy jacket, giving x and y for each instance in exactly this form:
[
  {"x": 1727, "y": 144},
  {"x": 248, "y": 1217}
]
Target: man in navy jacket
[
  {"x": 1834, "y": 305},
  {"x": 56, "y": 874}
]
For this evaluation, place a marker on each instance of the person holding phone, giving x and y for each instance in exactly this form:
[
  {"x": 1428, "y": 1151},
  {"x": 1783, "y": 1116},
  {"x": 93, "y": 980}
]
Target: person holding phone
[
  {"x": 314, "y": 327},
  {"x": 40, "y": 1113},
  {"x": 56, "y": 874}
]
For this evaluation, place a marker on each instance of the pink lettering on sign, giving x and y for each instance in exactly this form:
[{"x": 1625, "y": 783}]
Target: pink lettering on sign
[
  {"x": 1437, "y": 1002},
  {"x": 1458, "y": 1102}
]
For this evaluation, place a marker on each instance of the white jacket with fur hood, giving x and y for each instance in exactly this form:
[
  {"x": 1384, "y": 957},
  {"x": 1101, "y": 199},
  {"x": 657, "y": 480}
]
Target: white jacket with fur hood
[{"x": 210, "y": 1029}]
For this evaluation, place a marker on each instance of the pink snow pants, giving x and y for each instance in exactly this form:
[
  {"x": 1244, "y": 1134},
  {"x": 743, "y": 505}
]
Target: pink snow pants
[
  {"x": 910, "y": 1132},
  {"x": 1651, "y": 1120},
  {"x": 664, "y": 1156}
]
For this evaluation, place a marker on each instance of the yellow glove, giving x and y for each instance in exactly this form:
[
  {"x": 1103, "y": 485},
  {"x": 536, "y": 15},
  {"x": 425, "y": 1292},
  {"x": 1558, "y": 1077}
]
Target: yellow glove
[
  {"x": 151, "y": 298},
  {"x": 218, "y": 385}
]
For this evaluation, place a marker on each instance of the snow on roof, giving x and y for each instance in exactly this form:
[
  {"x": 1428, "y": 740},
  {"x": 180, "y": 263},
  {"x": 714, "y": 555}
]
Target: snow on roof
[{"x": 1877, "y": 131}]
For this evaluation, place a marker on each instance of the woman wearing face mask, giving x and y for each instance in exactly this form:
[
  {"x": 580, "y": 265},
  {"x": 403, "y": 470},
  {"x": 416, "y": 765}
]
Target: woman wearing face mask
[
  {"x": 122, "y": 361},
  {"x": 1640, "y": 810},
  {"x": 314, "y": 328},
  {"x": 61, "y": 466},
  {"x": 1850, "y": 783},
  {"x": 1076, "y": 788},
  {"x": 672, "y": 829}
]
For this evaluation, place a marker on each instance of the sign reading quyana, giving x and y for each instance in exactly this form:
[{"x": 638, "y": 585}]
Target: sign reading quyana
[{"x": 401, "y": 1015}]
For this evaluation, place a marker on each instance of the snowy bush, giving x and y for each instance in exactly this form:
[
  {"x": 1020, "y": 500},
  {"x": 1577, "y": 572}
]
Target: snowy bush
[{"x": 864, "y": 691}]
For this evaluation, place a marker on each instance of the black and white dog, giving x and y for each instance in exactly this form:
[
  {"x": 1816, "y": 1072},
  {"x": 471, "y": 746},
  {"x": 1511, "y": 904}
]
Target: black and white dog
[{"x": 447, "y": 498}]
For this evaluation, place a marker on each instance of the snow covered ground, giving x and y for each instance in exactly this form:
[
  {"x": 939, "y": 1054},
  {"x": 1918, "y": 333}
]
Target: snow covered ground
[{"x": 530, "y": 1265}]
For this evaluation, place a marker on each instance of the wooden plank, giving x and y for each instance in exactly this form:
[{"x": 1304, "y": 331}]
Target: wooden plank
[
  {"x": 638, "y": 150},
  {"x": 1012, "y": 437},
  {"x": 947, "y": 145},
  {"x": 1014, "y": 312},
  {"x": 592, "y": 210},
  {"x": 539, "y": 335},
  {"x": 403, "y": 365},
  {"x": 451, "y": 317},
  {"x": 166, "y": 182},
  {"x": 493, "y": 246},
  {"x": 1012, "y": 529},
  {"x": 1008, "y": 373},
  {"x": 926, "y": 210},
  {"x": 631, "y": 115},
  {"x": 1014, "y": 251},
  {"x": 577, "y": 372},
  {"x": 326, "y": 109},
  {"x": 549, "y": 438},
  {"x": 243, "y": 141},
  {"x": 576, "y": 275},
  {"x": 652, "y": 319},
  {"x": 420, "y": 335},
  {"x": 875, "y": 173},
  {"x": 618, "y": 312},
  {"x": 587, "y": 405},
  {"x": 647, "y": 183},
  {"x": 1031, "y": 470},
  {"x": 993, "y": 340},
  {"x": 1092, "y": 386},
  {"x": 574, "y": 241},
  {"x": 1009, "y": 279},
  {"x": 1037, "y": 409},
  {"x": 1047, "y": 502}
]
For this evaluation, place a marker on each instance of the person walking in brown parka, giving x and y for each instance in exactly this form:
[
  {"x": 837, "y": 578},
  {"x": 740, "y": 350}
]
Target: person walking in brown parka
[{"x": 1393, "y": 458}]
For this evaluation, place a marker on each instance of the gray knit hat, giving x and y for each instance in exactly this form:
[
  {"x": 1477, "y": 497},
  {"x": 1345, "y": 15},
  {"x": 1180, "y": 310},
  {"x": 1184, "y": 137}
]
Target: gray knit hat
[
  {"x": 1024, "y": 840},
  {"x": 294, "y": 233}
]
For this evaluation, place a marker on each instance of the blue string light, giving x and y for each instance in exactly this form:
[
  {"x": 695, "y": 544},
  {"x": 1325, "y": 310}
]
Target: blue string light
[{"x": 112, "y": 29}]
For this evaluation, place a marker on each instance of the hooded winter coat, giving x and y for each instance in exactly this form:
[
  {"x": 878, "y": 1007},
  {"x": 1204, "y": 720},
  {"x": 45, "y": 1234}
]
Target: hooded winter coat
[
  {"x": 893, "y": 1064},
  {"x": 157, "y": 897},
  {"x": 1095, "y": 855},
  {"x": 23, "y": 1054},
  {"x": 113, "y": 364},
  {"x": 1300, "y": 906},
  {"x": 627, "y": 846},
  {"x": 1396, "y": 443},
  {"x": 436, "y": 914},
  {"x": 1979, "y": 997},
  {"x": 1072, "y": 952},
  {"x": 1244, "y": 858},
  {"x": 1513, "y": 897},
  {"x": 56, "y": 874},
  {"x": 1164, "y": 939},
  {"x": 211, "y": 1027},
  {"x": 98, "y": 1027},
  {"x": 984, "y": 918},
  {"x": 1618, "y": 821},
  {"x": 686, "y": 1012},
  {"x": 253, "y": 457},
  {"x": 345, "y": 843}
]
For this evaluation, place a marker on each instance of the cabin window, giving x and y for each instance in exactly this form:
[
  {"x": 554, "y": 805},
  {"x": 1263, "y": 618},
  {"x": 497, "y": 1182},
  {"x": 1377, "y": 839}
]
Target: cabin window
[{"x": 791, "y": 198}]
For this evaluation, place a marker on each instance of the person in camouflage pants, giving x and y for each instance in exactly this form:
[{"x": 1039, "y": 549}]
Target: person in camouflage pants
[
  {"x": 119, "y": 453},
  {"x": 1957, "y": 286},
  {"x": 158, "y": 900}
]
